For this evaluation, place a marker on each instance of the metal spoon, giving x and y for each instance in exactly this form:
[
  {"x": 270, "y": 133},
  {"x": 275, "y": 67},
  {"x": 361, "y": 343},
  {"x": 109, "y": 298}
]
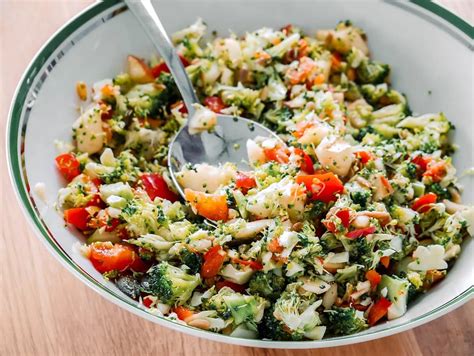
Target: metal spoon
[{"x": 227, "y": 142}]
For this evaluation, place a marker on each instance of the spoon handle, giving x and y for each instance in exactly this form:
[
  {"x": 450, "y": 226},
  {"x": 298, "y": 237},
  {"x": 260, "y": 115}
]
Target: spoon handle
[{"x": 146, "y": 15}]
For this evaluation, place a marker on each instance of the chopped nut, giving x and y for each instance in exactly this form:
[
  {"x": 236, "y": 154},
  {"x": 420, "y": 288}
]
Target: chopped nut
[
  {"x": 81, "y": 89},
  {"x": 200, "y": 323}
]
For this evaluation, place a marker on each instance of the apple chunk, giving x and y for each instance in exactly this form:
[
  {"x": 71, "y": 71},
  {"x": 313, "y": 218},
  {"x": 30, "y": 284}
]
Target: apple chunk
[{"x": 138, "y": 70}]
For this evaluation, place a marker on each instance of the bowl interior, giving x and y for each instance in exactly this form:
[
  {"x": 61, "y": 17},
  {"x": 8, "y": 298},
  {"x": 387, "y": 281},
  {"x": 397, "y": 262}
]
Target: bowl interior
[{"x": 431, "y": 63}]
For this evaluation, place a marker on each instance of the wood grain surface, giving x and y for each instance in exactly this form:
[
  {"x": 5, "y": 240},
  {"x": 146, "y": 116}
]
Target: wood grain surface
[{"x": 44, "y": 310}]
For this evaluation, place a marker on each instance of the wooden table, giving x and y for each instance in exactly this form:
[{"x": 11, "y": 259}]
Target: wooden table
[{"x": 45, "y": 310}]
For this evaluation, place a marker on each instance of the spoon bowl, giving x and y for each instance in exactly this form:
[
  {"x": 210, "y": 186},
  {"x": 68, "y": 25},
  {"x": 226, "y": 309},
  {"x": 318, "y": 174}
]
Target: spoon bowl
[{"x": 225, "y": 143}]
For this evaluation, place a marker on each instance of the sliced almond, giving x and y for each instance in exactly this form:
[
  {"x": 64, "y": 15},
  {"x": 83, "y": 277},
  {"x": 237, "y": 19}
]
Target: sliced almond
[{"x": 200, "y": 323}]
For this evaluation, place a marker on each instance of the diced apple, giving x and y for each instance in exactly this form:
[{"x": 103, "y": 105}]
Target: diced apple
[{"x": 138, "y": 70}]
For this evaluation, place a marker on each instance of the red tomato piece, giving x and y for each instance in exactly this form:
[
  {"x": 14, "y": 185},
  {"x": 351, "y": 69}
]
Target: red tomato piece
[
  {"x": 106, "y": 257},
  {"x": 214, "y": 103},
  {"x": 344, "y": 215},
  {"x": 234, "y": 286},
  {"x": 361, "y": 232},
  {"x": 68, "y": 165},
  {"x": 323, "y": 187},
  {"x": 306, "y": 163},
  {"x": 79, "y": 217},
  {"x": 373, "y": 277},
  {"x": 436, "y": 171},
  {"x": 210, "y": 206},
  {"x": 364, "y": 156},
  {"x": 148, "y": 301},
  {"x": 378, "y": 310},
  {"x": 163, "y": 68},
  {"x": 140, "y": 265},
  {"x": 423, "y": 203},
  {"x": 182, "y": 312},
  {"x": 255, "y": 265},
  {"x": 156, "y": 186},
  {"x": 385, "y": 261},
  {"x": 278, "y": 154},
  {"x": 244, "y": 182},
  {"x": 336, "y": 60},
  {"x": 421, "y": 162},
  {"x": 181, "y": 107},
  {"x": 96, "y": 200},
  {"x": 213, "y": 261}
]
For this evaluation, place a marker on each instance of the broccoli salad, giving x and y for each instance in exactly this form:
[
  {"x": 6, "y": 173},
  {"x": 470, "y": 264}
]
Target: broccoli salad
[{"x": 329, "y": 233}]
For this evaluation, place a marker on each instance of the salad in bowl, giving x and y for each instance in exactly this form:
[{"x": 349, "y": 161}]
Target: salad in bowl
[{"x": 332, "y": 230}]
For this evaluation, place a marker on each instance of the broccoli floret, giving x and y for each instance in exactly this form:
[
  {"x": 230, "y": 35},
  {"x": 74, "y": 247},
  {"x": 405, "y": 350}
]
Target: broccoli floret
[
  {"x": 352, "y": 92},
  {"x": 171, "y": 284},
  {"x": 297, "y": 311},
  {"x": 260, "y": 79},
  {"x": 364, "y": 131},
  {"x": 242, "y": 308},
  {"x": 124, "y": 81},
  {"x": 361, "y": 251},
  {"x": 430, "y": 146},
  {"x": 191, "y": 259},
  {"x": 413, "y": 293},
  {"x": 169, "y": 95},
  {"x": 316, "y": 210},
  {"x": 439, "y": 190},
  {"x": 360, "y": 197},
  {"x": 273, "y": 329},
  {"x": 370, "y": 72},
  {"x": 267, "y": 285},
  {"x": 329, "y": 242},
  {"x": 277, "y": 117},
  {"x": 344, "y": 321},
  {"x": 373, "y": 93},
  {"x": 244, "y": 98},
  {"x": 411, "y": 170}
]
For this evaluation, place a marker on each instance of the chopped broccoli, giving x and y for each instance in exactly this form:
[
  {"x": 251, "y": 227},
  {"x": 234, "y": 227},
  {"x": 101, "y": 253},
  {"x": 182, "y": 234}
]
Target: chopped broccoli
[
  {"x": 316, "y": 210},
  {"x": 364, "y": 131},
  {"x": 242, "y": 308},
  {"x": 169, "y": 95},
  {"x": 191, "y": 259},
  {"x": 277, "y": 117},
  {"x": 296, "y": 310},
  {"x": 124, "y": 81},
  {"x": 352, "y": 92},
  {"x": 373, "y": 93},
  {"x": 344, "y": 321},
  {"x": 413, "y": 292},
  {"x": 439, "y": 190},
  {"x": 361, "y": 251},
  {"x": 245, "y": 98},
  {"x": 273, "y": 329},
  {"x": 171, "y": 284},
  {"x": 360, "y": 197},
  {"x": 370, "y": 72},
  {"x": 411, "y": 170},
  {"x": 329, "y": 242},
  {"x": 267, "y": 285}
]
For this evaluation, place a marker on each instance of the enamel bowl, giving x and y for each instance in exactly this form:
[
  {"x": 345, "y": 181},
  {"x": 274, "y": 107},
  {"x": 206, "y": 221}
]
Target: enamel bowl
[{"x": 429, "y": 48}]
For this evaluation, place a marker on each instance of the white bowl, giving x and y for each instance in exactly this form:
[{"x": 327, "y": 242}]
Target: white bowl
[{"x": 429, "y": 48}]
